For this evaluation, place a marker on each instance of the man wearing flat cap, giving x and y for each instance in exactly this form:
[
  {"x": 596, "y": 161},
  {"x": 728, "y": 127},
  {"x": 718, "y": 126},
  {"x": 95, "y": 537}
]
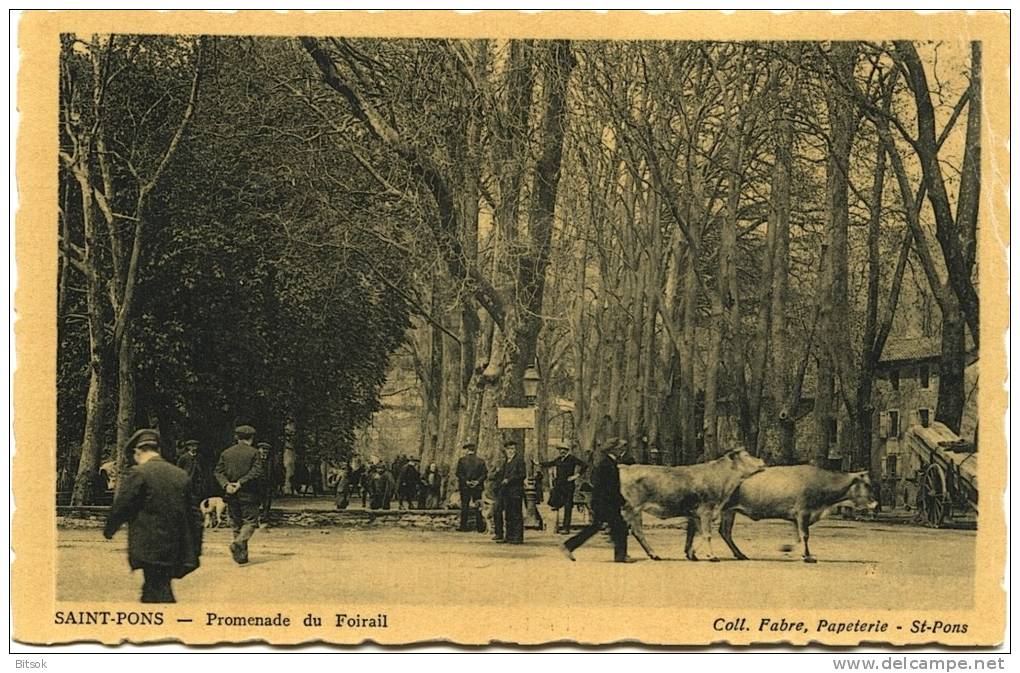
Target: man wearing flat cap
[
  {"x": 606, "y": 502},
  {"x": 511, "y": 492},
  {"x": 471, "y": 474},
  {"x": 164, "y": 529},
  {"x": 239, "y": 473}
]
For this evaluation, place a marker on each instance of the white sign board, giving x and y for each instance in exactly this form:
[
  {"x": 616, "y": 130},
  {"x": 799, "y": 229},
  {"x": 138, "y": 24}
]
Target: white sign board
[{"x": 508, "y": 418}]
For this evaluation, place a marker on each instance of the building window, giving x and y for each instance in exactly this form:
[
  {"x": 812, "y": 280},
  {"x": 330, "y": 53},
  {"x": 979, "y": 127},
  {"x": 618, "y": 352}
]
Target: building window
[
  {"x": 890, "y": 467},
  {"x": 925, "y": 376},
  {"x": 924, "y": 416},
  {"x": 894, "y": 423},
  {"x": 833, "y": 431},
  {"x": 894, "y": 379}
]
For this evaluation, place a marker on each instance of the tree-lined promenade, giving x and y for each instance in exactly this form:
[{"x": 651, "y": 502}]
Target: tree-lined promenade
[{"x": 699, "y": 244}]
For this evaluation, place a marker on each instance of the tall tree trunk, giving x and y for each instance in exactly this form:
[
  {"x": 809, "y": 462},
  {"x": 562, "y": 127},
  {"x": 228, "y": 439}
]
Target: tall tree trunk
[
  {"x": 952, "y": 392},
  {"x": 125, "y": 397},
  {"x": 833, "y": 337},
  {"x": 97, "y": 396}
]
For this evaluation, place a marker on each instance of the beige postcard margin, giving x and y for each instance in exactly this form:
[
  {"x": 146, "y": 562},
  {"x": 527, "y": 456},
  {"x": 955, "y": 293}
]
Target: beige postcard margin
[{"x": 34, "y": 531}]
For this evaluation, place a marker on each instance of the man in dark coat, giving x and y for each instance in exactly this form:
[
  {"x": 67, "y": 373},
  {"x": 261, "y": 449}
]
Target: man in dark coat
[
  {"x": 408, "y": 484},
  {"x": 511, "y": 487},
  {"x": 471, "y": 474},
  {"x": 191, "y": 463},
  {"x": 164, "y": 528},
  {"x": 568, "y": 469},
  {"x": 380, "y": 487},
  {"x": 606, "y": 501},
  {"x": 239, "y": 473}
]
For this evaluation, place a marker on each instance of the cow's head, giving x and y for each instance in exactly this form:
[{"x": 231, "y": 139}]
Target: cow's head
[
  {"x": 744, "y": 463},
  {"x": 861, "y": 494}
]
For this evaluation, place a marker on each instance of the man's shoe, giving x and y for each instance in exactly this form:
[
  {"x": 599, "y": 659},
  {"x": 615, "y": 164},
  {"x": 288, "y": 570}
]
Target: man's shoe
[
  {"x": 237, "y": 553},
  {"x": 566, "y": 552},
  {"x": 500, "y": 540},
  {"x": 625, "y": 560}
]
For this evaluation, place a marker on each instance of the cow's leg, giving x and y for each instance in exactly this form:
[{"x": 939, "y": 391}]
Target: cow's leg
[
  {"x": 707, "y": 516},
  {"x": 726, "y": 533},
  {"x": 633, "y": 519},
  {"x": 692, "y": 529},
  {"x": 803, "y": 524}
]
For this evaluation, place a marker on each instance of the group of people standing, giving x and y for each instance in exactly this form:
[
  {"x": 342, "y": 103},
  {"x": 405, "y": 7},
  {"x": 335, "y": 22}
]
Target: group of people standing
[
  {"x": 507, "y": 490},
  {"x": 379, "y": 485}
]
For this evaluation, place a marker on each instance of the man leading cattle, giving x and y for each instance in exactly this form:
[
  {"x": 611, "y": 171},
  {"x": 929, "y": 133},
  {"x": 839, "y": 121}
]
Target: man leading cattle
[
  {"x": 605, "y": 505},
  {"x": 239, "y": 472}
]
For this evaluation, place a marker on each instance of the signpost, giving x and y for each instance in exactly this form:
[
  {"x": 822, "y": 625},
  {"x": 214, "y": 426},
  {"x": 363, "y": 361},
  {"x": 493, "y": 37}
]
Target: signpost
[{"x": 515, "y": 418}]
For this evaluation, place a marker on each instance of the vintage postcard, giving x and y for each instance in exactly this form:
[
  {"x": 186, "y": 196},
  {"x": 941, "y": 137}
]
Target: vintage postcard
[{"x": 500, "y": 327}]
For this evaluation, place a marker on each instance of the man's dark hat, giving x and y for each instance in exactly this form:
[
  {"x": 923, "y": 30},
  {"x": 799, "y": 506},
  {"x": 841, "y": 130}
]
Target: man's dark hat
[
  {"x": 413, "y": 459},
  {"x": 510, "y": 442},
  {"x": 469, "y": 446},
  {"x": 191, "y": 442},
  {"x": 263, "y": 445},
  {"x": 244, "y": 431},
  {"x": 146, "y": 438}
]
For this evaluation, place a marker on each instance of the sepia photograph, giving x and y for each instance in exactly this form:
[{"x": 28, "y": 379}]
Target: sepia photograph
[{"x": 564, "y": 328}]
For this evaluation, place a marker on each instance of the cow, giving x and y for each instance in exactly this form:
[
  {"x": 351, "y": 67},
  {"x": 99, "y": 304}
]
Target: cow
[
  {"x": 697, "y": 492},
  {"x": 798, "y": 493}
]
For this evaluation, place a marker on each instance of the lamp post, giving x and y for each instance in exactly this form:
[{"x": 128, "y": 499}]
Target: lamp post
[{"x": 531, "y": 381}]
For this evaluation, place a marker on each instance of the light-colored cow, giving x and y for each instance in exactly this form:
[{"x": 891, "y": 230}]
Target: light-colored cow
[{"x": 697, "y": 492}]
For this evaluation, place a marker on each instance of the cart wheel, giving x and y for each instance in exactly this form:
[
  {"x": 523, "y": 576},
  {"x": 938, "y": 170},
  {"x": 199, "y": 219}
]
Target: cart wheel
[{"x": 933, "y": 496}]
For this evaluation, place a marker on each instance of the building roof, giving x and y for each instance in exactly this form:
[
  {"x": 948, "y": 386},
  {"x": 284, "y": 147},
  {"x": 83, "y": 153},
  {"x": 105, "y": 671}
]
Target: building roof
[{"x": 918, "y": 348}]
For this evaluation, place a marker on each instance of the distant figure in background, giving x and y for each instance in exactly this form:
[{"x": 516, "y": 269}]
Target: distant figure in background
[
  {"x": 498, "y": 514},
  {"x": 380, "y": 487},
  {"x": 512, "y": 494},
  {"x": 397, "y": 466},
  {"x": 432, "y": 488},
  {"x": 568, "y": 470},
  {"x": 265, "y": 451},
  {"x": 538, "y": 484},
  {"x": 358, "y": 479},
  {"x": 289, "y": 468},
  {"x": 239, "y": 472},
  {"x": 409, "y": 484},
  {"x": 191, "y": 463},
  {"x": 164, "y": 527},
  {"x": 471, "y": 474},
  {"x": 343, "y": 488}
]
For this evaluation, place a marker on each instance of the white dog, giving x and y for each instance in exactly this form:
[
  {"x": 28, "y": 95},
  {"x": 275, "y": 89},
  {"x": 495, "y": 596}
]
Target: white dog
[{"x": 214, "y": 512}]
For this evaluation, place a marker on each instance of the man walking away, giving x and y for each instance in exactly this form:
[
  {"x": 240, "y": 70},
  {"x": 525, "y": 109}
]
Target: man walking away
[
  {"x": 239, "y": 472},
  {"x": 164, "y": 528},
  {"x": 605, "y": 504},
  {"x": 471, "y": 474},
  {"x": 512, "y": 493},
  {"x": 568, "y": 469}
]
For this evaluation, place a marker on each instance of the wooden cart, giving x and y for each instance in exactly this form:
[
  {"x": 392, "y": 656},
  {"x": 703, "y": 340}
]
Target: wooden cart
[{"x": 946, "y": 474}]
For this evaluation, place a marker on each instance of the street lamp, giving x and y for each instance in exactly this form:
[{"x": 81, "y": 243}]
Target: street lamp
[{"x": 531, "y": 381}]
